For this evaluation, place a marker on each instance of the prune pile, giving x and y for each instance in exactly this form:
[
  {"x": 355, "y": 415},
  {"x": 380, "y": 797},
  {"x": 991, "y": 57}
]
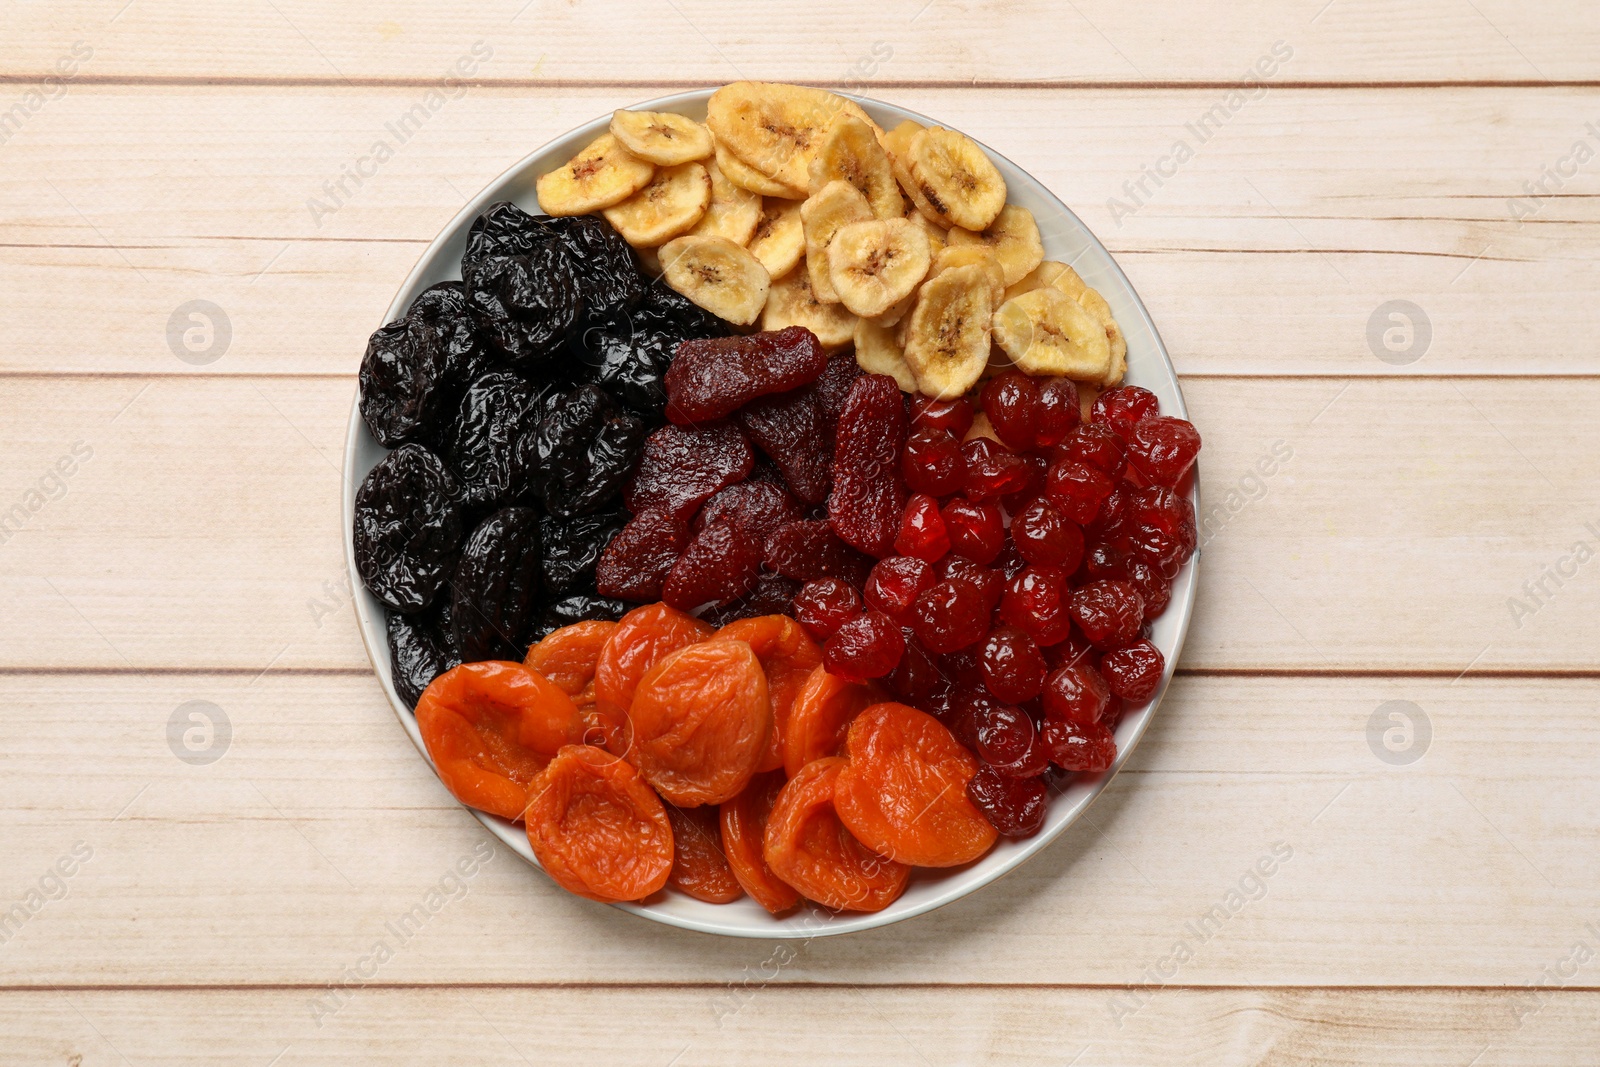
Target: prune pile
[{"x": 518, "y": 402}]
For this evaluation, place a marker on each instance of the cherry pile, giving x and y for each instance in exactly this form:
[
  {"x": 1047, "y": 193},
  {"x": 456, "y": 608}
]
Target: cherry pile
[{"x": 997, "y": 569}]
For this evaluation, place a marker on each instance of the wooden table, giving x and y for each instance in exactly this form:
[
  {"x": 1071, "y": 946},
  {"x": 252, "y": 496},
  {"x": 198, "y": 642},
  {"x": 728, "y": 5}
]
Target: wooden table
[{"x": 1375, "y": 266}]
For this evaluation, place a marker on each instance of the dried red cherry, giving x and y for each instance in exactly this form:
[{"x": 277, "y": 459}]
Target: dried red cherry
[
  {"x": 917, "y": 679},
  {"x": 1046, "y": 537},
  {"x": 1109, "y": 612},
  {"x": 1015, "y": 807},
  {"x": 1094, "y": 443},
  {"x": 1079, "y": 748},
  {"x": 950, "y": 614},
  {"x": 991, "y": 470},
  {"x": 825, "y": 604},
  {"x": 990, "y": 582},
  {"x": 952, "y": 415},
  {"x": 868, "y": 646},
  {"x": 922, "y": 531},
  {"x": 1077, "y": 489},
  {"x": 1013, "y": 666},
  {"x": 1163, "y": 449},
  {"x": 1011, "y": 401},
  {"x": 933, "y": 462},
  {"x": 1125, "y": 407},
  {"x": 1076, "y": 693},
  {"x": 895, "y": 583},
  {"x": 1134, "y": 671},
  {"x": 1007, "y": 740},
  {"x": 977, "y": 531},
  {"x": 1058, "y": 413}
]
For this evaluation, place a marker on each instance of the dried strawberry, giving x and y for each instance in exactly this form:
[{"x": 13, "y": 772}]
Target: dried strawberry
[
  {"x": 834, "y": 385},
  {"x": 793, "y": 431},
  {"x": 718, "y": 566},
  {"x": 868, "y": 497},
  {"x": 773, "y": 594},
  {"x": 682, "y": 468},
  {"x": 713, "y": 377},
  {"x": 637, "y": 560},
  {"x": 761, "y": 506},
  {"x": 810, "y": 549}
]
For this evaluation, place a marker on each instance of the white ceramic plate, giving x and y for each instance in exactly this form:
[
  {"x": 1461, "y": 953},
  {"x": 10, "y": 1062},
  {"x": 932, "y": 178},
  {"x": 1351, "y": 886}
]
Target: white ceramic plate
[{"x": 1066, "y": 239}]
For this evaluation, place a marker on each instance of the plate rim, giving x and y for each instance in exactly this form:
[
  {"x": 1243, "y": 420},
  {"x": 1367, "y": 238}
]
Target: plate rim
[{"x": 371, "y": 619}]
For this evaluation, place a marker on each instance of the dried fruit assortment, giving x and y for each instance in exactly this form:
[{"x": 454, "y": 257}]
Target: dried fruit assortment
[{"x": 679, "y": 574}]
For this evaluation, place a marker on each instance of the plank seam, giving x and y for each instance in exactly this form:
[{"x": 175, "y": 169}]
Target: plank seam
[
  {"x": 320, "y": 82},
  {"x": 246, "y": 987}
]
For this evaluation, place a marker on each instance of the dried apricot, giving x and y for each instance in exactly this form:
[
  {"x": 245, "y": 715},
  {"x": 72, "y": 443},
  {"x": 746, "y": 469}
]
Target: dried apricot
[
  {"x": 808, "y": 847},
  {"x": 698, "y": 866},
  {"x": 490, "y": 728},
  {"x": 903, "y": 791},
  {"x": 643, "y": 637},
  {"x": 700, "y": 719},
  {"x": 744, "y": 828},
  {"x": 788, "y": 656},
  {"x": 822, "y": 712},
  {"x": 597, "y": 828},
  {"x": 568, "y": 658}
]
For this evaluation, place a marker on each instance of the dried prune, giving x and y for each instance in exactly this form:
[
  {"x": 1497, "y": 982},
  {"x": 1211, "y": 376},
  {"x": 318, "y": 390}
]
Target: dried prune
[
  {"x": 494, "y": 593},
  {"x": 572, "y": 547},
  {"x": 416, "y": 367},
  {"x": 637, "y": 560},
  {"x": 760, "y": 506},
  {"x": 718, "y": 565},
  {"x": 587, "y": 447},
  {"x": 810, "y": 549},
  {"x": 504, "y": 229},
  {"x": 608, "y": 275},
  {"x": 579, "y": 607},
  {"x": 483, "y": 445},
  {"x": 713, "y": 378},
  {"x": 670, "y": 311},
  {"x": 793, "y": 431},
  {"x": 529, "y": 305},
  {"x": 631, "y": 361},
  {"x": 418, "y": 653},
  {"x": 868, "y": 497},
  {"x": 407, "y": 528},
  {"x": 681, "y": 468}
]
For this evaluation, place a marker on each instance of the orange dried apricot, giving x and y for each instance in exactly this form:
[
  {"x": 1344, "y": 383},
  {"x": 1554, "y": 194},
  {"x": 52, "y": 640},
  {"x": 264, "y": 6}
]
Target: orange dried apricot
[
  {"x": 823, "y": 710},
  {"x": 788, "y": 655},
  {"x": 491, "y": 727},
  {"x": 643, "y": 637},
  {"x": 903, "y": 789},
  {"x": 568, "y": 658},
  {"x": 699, "y": 721},
  {"x": 698, "y": 866},
  {"x": 744, "y": 826},
  {"x": 597, "y": 828},
  {"x": 809, "y": 847}
]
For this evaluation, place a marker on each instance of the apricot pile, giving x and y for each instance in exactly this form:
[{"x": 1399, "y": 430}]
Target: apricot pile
[{"x": 659, "y": 750}]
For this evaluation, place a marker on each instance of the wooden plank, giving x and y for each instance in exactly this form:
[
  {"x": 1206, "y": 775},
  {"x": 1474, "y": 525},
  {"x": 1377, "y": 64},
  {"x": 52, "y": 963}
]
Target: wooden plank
[
  {"x": 1268, "y": 252},
  {"x": 910, "y": 40},
  {"x": 205, "y": 532},
  {"x": 1285, "y": 1028},
  {"x": 292, "y": 856}
]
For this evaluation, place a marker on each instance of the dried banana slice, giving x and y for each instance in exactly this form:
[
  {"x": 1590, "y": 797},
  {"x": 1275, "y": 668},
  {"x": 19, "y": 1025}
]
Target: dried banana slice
[
  {"x": 953, "y": 177},
  {"x": 947, "y": 342},
  {"x": 824, "y": 213},
  {"x": 780, "y": 239},
  {"x": 734, "y": 212},
  {"x": 718, "y": 275},
  {"x": 1068, "y": 282},
  {"x": 973, "y": 255},
  {"x": 851, "y": 153},
  {"x": 792, "y": 303},
  {"x": 674, "y": 201},
  {"x": 897, "y": 142},
  {"x": 937, "y": 235},
  {"x": 745, "y": 176},
  {"x": 878, "y": 352},
  {"x": 1096, "y": 305},
  {"x": 661, "y": 137},
  {"x": 1047, "y": 332},
  {"x": 1046, "y": 273},
  {"x": 777, "y": 129},
  {"x": 876, "y": 264},
  {"x": 1013, "y": 237},
  {"x": 601, "y": 175},
  {"x": 898, "y": 312}
]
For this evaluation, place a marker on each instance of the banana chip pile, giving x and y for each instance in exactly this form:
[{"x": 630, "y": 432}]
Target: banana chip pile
[{"x": 789, "y": 206}]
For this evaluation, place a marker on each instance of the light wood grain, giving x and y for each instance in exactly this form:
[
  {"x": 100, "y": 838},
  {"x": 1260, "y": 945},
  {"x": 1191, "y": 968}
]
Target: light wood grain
[
  {"x": 285, "y": 861},
  {"x": 205, "y": 531},
  {"x": 1269, "y": 252},
  {"x": 917, "y": 40},
  {"x": 913, "y": 1027}
]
